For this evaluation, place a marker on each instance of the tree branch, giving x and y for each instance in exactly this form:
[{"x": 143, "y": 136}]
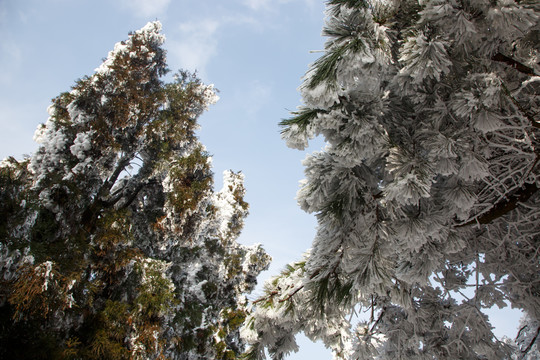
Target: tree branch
[
  {"x": 131, "y": 197},
  {"x": 292, "y": 294},
  {"x": 526, "y": 113},
  {"x": 528, "y": 348},
  {"x": 271, "y": 295},
  {"x": 513, "y": 63},
  {"x": 383, "y": 310},
  {"x": 108, "y": 184},
  {"x": 504, "y": 206}
]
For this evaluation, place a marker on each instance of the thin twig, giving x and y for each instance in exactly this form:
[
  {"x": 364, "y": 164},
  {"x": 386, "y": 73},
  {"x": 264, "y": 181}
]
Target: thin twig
[
  {"x": 272, "y": 294},
  {"x": 292, "y": 294}
]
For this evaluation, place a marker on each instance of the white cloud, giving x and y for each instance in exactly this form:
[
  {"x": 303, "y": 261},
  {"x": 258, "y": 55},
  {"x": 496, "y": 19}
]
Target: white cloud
[
  {"x": 146, "y": 8},
  {"x": 197, "y": 46},
  {"x": 271, "y": 4},
  {"x": 257, "y": 4}
]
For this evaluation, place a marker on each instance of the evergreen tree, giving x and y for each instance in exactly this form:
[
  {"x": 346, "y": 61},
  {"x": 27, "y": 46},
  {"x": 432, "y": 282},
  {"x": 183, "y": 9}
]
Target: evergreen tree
[
  {"x": 113, "y": 243},
  {"x": 426, "y": 193}
]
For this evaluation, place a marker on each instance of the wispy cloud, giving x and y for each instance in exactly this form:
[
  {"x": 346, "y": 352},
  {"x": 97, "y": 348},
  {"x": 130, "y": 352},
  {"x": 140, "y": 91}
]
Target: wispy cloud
[
  {"x": 257, "y": 4},
  {"x": 146, "y": 8},
  {"x": 271, "y": 4},
  {"x": 197, "y": 46},
  {"x": 199, "y": 39}
]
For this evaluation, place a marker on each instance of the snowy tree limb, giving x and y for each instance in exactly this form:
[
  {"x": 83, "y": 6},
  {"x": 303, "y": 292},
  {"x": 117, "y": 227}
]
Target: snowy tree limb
[
  {"x": 531, "y": 343},
  {"x": 527, "y": 114},
  {"x": 513, "y": 63},
  {"x": 506, "y": 205}
]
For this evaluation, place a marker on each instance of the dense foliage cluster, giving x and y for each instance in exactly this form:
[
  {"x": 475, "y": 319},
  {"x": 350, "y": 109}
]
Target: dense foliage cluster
[
  {"x": 426, "y": 193},
  {"x": 113, "y": 243}
]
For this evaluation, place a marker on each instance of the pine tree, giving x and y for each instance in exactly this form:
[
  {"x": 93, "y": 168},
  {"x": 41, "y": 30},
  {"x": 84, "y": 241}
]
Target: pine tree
[
  {"x": 113, "y": 243},
  {"x": 426, "y": 193}
]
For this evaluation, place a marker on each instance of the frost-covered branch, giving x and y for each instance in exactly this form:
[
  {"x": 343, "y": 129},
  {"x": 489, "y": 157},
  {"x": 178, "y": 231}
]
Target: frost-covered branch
[
  {"x": 430, "y": 166},
  {"x": 532, "y": 342},
  {"x": 506, "y": 205},
  {"x": 513, "y": 63}
]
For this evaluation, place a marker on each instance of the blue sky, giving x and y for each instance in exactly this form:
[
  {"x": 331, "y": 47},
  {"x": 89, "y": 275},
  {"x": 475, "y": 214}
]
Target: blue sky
[{"x": 254, "y": 51}]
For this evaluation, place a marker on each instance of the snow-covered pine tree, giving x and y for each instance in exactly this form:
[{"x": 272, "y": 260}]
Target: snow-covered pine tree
[
  {"x": 113, "y": 243},
  {"x": 426, "y": 193}
]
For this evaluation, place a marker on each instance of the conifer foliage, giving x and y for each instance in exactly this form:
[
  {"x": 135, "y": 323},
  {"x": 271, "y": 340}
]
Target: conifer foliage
[
  {"x": 113, "y": 243},
  {"x": 426, "y": 193}
]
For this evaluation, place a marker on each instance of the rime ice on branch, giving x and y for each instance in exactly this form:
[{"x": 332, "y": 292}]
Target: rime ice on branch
[{"x": 426, "y": 194}]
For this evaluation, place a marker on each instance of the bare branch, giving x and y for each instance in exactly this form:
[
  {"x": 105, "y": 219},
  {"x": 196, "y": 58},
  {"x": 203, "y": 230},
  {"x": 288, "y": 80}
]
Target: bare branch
[{"x": 513, "y": 63}]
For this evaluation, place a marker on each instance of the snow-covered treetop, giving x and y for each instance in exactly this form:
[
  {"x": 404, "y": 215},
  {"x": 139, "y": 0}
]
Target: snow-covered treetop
[
  {"x": 113, "y": 242},
  {"x": 142, "y": 44}
]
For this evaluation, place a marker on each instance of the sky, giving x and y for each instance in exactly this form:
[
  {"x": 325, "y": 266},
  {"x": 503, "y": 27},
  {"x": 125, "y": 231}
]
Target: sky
[{"x": 254, "y": 51}]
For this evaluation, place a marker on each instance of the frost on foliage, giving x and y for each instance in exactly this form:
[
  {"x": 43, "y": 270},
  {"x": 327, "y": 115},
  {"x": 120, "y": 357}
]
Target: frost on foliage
[
  {"x": 282, "y": 312},
  {"x": 81, "y": 144},
  {"x": 150, "y": 269},
  {"x": 44, "y": 271},
  {"x": 230, "y": 211},
  {"x": 424, "y": 59},
  {"x": 11, "y": 261},
  {"x": 209, "y": 95},
  {"x": 141, "y": 45},
  {"x": 427, "y": 186},
  {"x": 113, "y": 242},
  {"x": 527, "y": 339}
]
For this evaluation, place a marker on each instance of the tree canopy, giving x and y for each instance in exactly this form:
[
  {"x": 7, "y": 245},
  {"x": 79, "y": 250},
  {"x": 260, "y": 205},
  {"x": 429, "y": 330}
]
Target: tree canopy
[
  {"x": 426, "y": 193},
  {"x": 113, "y": 243}
]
